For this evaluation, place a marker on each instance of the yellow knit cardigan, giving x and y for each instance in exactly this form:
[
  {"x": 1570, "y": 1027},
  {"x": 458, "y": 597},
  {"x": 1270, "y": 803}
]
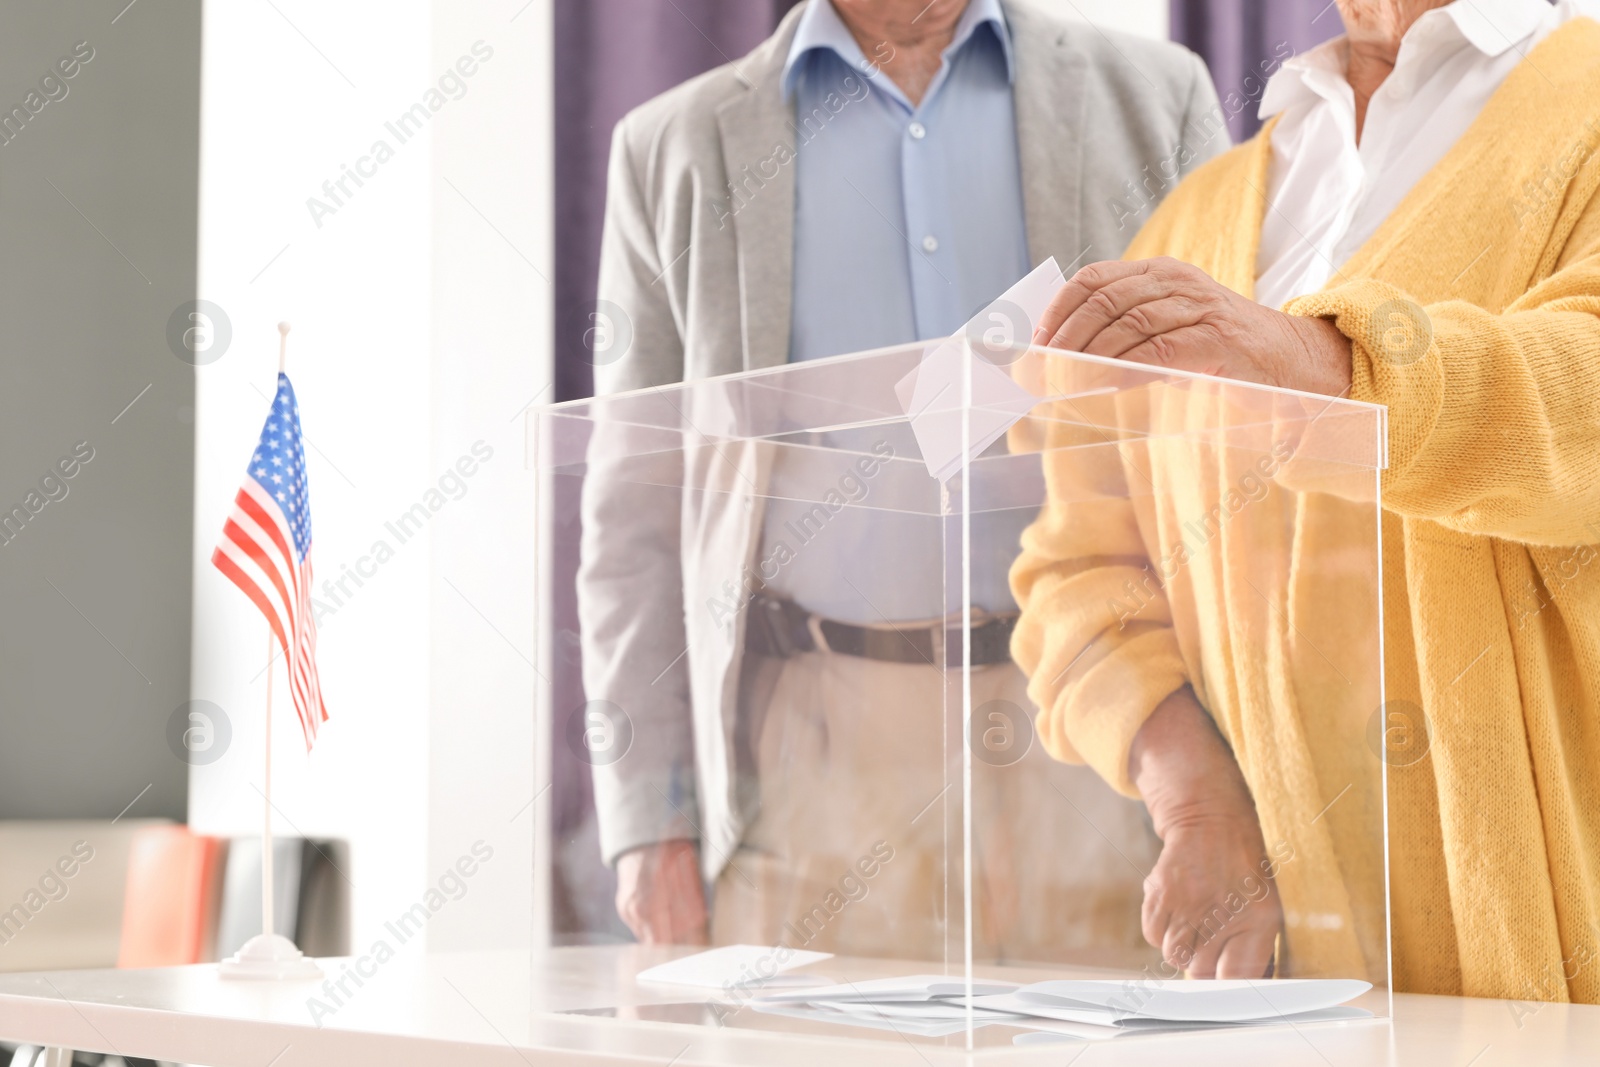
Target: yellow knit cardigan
[{"x": 1490, "y": 567}]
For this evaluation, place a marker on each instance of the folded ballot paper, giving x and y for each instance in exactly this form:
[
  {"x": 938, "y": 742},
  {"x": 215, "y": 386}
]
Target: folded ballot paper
[
  {"x": 957, "y": 408},
  {"x": 1090, "y": 1010}
]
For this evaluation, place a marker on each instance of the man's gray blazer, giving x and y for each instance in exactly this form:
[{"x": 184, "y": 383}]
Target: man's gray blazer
[{"x": 696, "y": 260}]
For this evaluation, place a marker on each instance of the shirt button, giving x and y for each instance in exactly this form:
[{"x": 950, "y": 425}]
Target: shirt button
[
  {"x": 917, "y": 130},
  {"x": 930, "y": 243}
]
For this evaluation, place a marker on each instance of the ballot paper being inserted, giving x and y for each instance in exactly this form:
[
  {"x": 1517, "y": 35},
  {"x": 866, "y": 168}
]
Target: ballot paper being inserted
[{"x": 959, "y": 407}]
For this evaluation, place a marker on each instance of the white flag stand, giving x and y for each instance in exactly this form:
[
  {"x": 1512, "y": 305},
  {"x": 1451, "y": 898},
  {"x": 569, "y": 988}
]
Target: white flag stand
[{"x": 268, "y": 954}]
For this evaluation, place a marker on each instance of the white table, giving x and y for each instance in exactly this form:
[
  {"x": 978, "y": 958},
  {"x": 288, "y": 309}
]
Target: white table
[{"x": 503, "y": 1008}]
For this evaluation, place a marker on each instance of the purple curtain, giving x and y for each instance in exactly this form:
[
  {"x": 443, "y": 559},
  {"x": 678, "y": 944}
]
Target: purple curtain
[
  {"x": 1244, "y": 41},
  {"x": 610, "y": 56}
]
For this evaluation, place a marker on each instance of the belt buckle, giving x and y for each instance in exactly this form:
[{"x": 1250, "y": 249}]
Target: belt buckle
[{"x": 814, "y": 628}]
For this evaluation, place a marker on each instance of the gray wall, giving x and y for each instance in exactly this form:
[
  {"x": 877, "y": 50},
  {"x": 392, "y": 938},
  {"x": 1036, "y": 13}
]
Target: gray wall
[{"x": 97, "y": 248}]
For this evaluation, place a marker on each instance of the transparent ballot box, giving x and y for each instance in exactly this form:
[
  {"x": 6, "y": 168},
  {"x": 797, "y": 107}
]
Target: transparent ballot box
[{"x": 847, "y": 657}]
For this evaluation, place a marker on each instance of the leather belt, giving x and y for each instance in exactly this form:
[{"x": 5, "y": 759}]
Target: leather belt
[{"x": 782, "y": 628}]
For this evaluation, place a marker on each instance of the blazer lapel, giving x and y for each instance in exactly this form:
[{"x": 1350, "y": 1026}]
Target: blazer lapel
[
  {"x": 758, "y": 148},
  {"x": 1051, "y": 125}
]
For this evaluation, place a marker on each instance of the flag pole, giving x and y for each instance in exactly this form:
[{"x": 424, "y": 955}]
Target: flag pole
[
  {"x": 268, "y": 955},
  {"x": 266, "y": 796},
  {"x": 266, "y": 808}
]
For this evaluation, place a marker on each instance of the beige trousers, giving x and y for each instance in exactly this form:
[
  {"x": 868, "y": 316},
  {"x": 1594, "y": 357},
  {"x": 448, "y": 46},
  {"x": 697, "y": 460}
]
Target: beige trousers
[{"x": 858, "y": 847}]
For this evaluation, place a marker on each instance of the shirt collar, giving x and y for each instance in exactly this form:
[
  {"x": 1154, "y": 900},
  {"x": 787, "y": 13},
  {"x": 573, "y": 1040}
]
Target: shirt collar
[
  {"x": 1493, "y": 27},
  {"x": 821, "y": 28}
]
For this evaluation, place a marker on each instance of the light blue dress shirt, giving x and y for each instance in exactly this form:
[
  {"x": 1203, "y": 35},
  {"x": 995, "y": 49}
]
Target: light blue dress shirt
[{"x": 908, "y": 220}]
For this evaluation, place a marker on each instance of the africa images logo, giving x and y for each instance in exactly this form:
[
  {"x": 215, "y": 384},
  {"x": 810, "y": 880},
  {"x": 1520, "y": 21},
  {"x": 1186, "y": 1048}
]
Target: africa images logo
[{"x": 199, "y": 732}]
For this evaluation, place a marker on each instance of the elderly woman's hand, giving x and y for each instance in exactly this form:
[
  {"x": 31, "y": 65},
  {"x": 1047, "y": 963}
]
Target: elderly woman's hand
[
  {"x": 1210, "y": 905},
  {"x": 1167, "y": 313}
]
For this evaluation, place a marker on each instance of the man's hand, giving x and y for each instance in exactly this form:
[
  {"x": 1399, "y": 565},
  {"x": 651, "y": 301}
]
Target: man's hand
[
  {"x": 1167, "y": 313},
  {"x": 659, "y": 894},
  {"x": 1211, "y": 848}
]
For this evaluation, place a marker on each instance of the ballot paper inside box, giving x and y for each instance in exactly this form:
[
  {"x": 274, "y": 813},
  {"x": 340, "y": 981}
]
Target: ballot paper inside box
[{"x": 779, "y": 639}]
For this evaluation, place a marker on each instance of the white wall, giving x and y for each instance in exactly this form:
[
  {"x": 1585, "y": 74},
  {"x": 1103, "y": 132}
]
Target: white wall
[
  {"x": 493, "y": 233},
  {"x": 415, "y": 336}
]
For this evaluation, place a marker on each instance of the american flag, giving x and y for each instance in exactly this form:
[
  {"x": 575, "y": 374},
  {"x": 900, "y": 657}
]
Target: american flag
[{"x": 266, "y": 550}]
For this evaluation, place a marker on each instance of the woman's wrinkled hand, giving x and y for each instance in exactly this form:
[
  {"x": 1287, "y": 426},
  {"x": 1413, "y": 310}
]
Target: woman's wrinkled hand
[
  {"x": 1210, "y": 905},
  {"x": 1167, "y": 313}
]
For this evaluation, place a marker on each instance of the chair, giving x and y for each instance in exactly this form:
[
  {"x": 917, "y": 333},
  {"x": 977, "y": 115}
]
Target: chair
[{"x": 170, "y": 905}]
